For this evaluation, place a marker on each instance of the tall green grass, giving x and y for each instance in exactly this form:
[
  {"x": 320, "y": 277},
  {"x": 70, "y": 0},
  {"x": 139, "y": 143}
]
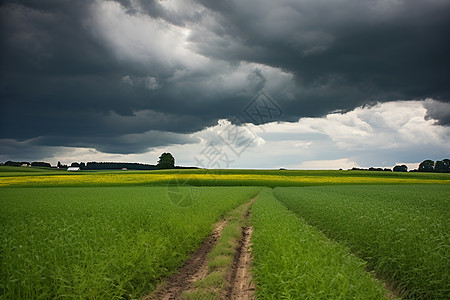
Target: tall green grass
[
  {"x": 102, "y": 243},
  {"x": 293, "y": 260},
  {"x": 402, "y": 231}
]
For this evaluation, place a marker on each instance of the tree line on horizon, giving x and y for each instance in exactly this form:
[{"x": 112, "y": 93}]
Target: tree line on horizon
[
  {"x": 167, "y": 161},
  {"x": 440, "y": 166}
]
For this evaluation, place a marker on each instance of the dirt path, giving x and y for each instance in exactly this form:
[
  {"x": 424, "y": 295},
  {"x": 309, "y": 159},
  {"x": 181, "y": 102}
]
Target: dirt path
[
  {"x": 194, "y": 269},
  {"x": 242, "y": 287},
  {"x": 239, "y": 285}
]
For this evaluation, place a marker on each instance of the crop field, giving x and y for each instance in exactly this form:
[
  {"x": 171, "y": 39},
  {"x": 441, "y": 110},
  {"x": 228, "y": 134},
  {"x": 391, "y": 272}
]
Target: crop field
[
  {"x": 100, "y": 242},
  {"x": 29, "y": 177},
  {"x": 295, "y": 261},
  {"x": 403, "y": 232},
  {"x": 315, "y": 234}
]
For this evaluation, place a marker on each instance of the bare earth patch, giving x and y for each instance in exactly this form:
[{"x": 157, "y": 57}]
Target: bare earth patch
[
  {"x": 242, "y": 286},
  {"x": 194, "y": 269}
]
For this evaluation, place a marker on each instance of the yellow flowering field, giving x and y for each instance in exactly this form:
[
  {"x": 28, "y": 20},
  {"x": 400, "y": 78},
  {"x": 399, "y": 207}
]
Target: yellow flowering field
[{"x": 192, "y": 178}]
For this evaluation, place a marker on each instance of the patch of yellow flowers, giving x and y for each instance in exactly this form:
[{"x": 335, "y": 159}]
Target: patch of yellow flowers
[{"x": 246, "y": 179}]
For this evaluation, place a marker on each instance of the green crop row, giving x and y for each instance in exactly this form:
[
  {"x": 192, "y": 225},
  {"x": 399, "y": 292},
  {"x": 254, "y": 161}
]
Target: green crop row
[
  {"x": 102, "y": 243},
  {"x": 293, "y": 260},
  {"x": 402, "y": 231}
]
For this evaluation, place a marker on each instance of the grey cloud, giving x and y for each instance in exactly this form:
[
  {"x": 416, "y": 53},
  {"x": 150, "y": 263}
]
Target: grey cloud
[
  {"x": 155, "y": 9},
  {"x": 391, "y": 52},
  {"x": 11, "y": 149},
  {"x": 124, "y": 144},
  {"x": 256, "y": 81},
  {"x": 437, "y": 110},
  {"x": 60, "y": 77}
]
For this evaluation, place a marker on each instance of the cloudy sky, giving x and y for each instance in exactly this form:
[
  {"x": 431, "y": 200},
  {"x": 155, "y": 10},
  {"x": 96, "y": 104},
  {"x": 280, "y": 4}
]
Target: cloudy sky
[{"x": 308, "y": 84}]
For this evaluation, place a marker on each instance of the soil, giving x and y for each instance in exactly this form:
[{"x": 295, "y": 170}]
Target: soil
[
  {"x": 242, "y": 286},
  {"x": 194, "y": 269}
]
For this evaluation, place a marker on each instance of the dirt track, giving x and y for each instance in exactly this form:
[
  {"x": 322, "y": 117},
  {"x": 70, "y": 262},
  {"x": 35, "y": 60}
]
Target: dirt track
[
  {"x": 239, "y": 284},
  {"x": 193, "y": 270}
]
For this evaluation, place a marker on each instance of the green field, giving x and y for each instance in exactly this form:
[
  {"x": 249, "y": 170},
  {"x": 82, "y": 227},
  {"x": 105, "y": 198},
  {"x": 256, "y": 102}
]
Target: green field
[
  {"x": 317, "y": 234},
  {"x": 403, "y": 232},
  {"x": 295, "y": 261},
  {"x": 100, "y": 242}
]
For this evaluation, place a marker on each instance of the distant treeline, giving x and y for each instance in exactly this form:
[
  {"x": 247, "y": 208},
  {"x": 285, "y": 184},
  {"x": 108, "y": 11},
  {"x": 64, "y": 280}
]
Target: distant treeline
[
  {"x": 119, "y": 166},
  {"x": 26, "y": 164},
  {"x": 374, "y": 169},
  {"x": 440, "y": 166},
  {"x": 113, "y": 166},
  {"x": 93, "y": 165}
]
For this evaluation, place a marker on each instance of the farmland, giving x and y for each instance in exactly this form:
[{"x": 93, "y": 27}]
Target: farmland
[
  {"x": 100, "y": 242},
  {"x": 317, "y": 234},
  {"x": 402, "y": 232},
  {"x": 296, "y": 261},
  {"x": 29, "y": 177}
]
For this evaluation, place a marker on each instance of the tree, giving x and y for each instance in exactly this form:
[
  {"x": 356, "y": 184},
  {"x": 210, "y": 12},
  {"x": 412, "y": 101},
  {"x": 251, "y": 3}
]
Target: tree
[
  {"x": 40, "y": 164},
  {"x": 166, "y": 161},
  {"x": 402, "y": 168},
  {"x": 426, "y": 166},
  {"x": 442, "y": 166}
]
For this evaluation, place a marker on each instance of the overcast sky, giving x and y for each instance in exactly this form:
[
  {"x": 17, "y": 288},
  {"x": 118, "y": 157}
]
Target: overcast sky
[{"x": 307, "y": 84}]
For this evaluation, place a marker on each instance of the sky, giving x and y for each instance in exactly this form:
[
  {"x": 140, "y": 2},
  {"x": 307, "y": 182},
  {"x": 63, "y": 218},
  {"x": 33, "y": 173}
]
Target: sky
[{"x": 297, "y": 84}]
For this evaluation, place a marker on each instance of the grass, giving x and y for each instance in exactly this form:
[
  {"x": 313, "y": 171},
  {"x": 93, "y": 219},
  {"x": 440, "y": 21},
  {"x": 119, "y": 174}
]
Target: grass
[
  {"x": 402, "y": 231},
  {"x": 100, "y": 243},
  {"x": 293, "y": 260}
]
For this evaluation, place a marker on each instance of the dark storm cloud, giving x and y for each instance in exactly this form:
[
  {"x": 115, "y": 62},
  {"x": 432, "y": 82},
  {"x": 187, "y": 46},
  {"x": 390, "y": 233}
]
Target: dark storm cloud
[
  {"x": 438, "y": 111},
  {"x": 343, "y": 53},
  {"x": 64, "y": 83},
  {"x": 123, "y": 144}
]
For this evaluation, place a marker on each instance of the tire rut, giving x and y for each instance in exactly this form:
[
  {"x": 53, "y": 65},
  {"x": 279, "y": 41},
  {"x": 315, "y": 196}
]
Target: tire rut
[
  {"x": 194, "y": 269},
  {"x": 239, "y": 280},
  {"x": 242, "y": 287}
]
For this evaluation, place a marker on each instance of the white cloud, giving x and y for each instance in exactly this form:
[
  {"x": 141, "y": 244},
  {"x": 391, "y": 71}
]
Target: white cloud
[
  {"x": 139, "y": 38},
  {"x": 383, "y": 126},
  {"x": 379, "y": 135},
  {"x": 343, "y": 163}
]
